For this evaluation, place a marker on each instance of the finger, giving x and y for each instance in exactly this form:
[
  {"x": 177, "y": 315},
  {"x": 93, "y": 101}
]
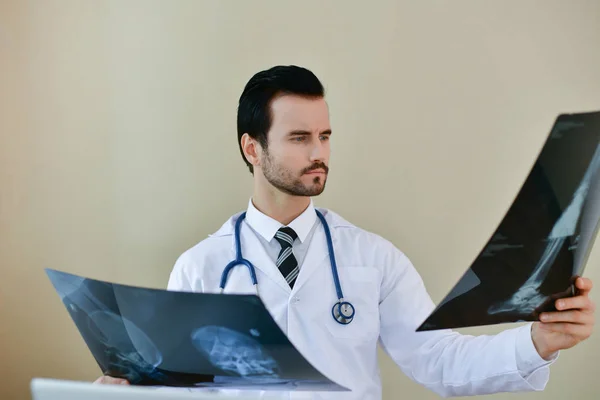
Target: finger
[
  {"x": 584, "y": 285},
  {"x": 109, "y": 380},
  {"x": 582, "y": 302},
  {"x": 577, "y": 330},
  {"x": 571, "y": 316}
]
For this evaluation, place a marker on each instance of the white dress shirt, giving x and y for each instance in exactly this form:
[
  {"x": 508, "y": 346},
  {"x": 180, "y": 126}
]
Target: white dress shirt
[
  {"x": 265, "y": 228},
  {"x": 444, "y": 361}
]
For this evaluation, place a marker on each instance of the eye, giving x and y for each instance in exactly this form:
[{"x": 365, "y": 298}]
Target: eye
[
  {"x": 325, "y": 137},
  {"x": 298, "y": 138}
]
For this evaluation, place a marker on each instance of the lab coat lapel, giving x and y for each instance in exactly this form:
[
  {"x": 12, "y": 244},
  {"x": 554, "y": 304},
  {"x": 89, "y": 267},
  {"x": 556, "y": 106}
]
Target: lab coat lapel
[
  {"x": 253, "y": 251},
  {"x": 316, "y": 256}
]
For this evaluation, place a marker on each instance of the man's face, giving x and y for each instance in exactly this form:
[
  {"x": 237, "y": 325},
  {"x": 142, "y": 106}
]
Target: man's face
[{"x": 297, "y": 156}]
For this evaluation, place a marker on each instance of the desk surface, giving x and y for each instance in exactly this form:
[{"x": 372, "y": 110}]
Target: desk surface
[{"x": 55, "y": 389}]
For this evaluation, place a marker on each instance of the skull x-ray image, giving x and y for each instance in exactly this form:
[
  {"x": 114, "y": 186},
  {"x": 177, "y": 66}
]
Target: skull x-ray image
[
  {"x": 156, "y": 337},
  {"x": 543, "y": 242}
]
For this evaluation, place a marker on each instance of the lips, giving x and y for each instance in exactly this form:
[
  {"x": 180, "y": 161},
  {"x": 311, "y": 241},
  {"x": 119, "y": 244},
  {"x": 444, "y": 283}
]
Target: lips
[{"x": 317, "y": 169}]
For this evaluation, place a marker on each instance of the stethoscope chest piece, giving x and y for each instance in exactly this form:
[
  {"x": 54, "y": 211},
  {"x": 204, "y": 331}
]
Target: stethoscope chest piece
[{"x": 343, "y": 312}]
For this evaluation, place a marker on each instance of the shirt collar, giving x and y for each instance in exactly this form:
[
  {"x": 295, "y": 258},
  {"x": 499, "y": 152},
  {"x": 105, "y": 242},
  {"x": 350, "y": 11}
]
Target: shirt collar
[{"x": 267, "y": 226}]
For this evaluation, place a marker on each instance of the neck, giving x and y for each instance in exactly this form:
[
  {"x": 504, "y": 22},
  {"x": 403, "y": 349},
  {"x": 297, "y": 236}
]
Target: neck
[{"x": 282, "y": 207}]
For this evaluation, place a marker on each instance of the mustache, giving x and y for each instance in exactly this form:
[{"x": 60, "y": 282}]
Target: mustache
[{"x": 315, "y": 166}]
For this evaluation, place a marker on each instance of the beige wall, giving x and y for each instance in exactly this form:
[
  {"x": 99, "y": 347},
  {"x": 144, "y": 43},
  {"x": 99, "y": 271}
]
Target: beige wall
[{"x": 118, "y": 149}]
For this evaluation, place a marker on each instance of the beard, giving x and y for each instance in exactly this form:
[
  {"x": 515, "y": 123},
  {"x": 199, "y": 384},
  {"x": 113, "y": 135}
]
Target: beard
[{"x": 288, "y": 182}]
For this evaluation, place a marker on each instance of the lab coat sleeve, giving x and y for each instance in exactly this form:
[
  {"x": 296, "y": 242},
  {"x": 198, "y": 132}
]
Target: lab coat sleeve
[
  {"x": 179, "y": 280},
  {"x": 530, "y": 363},
  {"x": 449, "y": 363}
]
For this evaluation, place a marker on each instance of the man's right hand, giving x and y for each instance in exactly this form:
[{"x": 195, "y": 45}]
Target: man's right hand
[{"x": 109, "y": 380}]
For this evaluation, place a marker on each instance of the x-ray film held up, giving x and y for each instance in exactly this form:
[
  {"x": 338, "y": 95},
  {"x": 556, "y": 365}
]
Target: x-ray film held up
[
  {"x": 155, "y": 337},
  {"x": 544, "y": 240}
]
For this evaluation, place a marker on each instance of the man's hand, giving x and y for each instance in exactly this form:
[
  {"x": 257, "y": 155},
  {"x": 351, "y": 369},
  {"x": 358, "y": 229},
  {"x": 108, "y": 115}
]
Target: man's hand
[
  {"x": 571, "y": 324},
  {"x": 109, "y": 380}
]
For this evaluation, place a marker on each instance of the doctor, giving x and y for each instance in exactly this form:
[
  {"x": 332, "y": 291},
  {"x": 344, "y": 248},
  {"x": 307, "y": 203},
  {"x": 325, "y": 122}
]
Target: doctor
[{"x": 337, "y": 309}]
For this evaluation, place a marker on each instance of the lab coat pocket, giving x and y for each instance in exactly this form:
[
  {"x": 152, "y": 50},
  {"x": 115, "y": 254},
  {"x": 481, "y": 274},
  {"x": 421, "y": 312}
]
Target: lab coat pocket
[{"x": 360, "y": 286}]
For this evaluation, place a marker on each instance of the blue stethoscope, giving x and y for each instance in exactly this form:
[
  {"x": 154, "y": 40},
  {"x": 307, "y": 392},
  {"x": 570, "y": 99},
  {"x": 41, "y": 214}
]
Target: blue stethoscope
[{"x": 342, "y": 311}]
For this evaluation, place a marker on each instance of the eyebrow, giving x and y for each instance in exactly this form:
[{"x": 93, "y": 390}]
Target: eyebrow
[{"x": 300, "y": 132}]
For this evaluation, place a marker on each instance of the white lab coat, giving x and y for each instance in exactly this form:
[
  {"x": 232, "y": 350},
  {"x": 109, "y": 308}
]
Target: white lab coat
[{"x": 390, "y": 301}]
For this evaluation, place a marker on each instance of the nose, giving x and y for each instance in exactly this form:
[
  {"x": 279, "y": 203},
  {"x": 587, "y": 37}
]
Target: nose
[{"x": 319, "y": 152}]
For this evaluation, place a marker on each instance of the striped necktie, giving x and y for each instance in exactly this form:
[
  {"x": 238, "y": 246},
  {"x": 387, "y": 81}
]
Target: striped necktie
[{"x": 286, "y": 262}]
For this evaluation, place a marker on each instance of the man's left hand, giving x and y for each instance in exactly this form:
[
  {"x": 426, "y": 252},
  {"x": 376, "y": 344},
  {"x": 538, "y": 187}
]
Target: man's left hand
[{"x": 571, "y": 324}]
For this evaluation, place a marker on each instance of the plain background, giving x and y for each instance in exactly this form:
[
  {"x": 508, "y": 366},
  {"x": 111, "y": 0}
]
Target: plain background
[{"x": 118, "y": 145}]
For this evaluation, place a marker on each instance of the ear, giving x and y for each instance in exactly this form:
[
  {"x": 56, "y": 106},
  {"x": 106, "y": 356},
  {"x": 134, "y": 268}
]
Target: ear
[{"x": 252, "y": 149}]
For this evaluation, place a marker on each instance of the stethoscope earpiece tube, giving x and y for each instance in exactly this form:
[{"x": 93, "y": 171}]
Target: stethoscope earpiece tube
[
  {"x": 336, "y": 278},
  {"x": 239, "y": 260},
  {"x": 343, "y": 311}
]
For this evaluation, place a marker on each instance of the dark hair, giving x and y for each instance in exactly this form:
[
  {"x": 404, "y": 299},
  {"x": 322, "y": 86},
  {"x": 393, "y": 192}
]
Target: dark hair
[{"x": 254, "y": 108}]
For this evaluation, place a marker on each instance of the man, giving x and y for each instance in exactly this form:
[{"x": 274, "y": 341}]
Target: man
[{"x": 284, "y": 138}]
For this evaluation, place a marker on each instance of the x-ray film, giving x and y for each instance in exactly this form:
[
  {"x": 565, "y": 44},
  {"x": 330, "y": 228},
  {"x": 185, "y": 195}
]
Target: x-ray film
[
  {"x": 156, "y": 337},
  {"x": 543, "y": 242}
]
